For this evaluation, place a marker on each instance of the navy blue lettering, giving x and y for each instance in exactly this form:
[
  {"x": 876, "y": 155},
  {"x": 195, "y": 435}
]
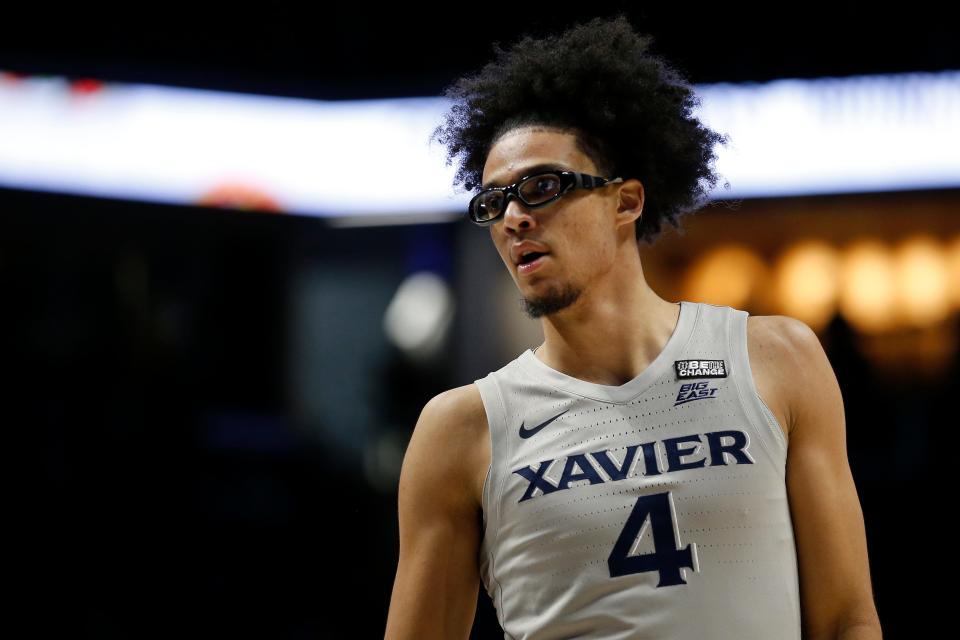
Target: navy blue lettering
[
  {"x": 536, "y": 479},
  {"x": 587, "y": 472},
  {"x": 587, "y": 466},
  {"x": 674, "y": 453},
  {"x": 608, "y": 465},
  {"x": 717, "y": 448},
  {"x": 666, "y": 559},
  {"x": 650, "y": 459}
]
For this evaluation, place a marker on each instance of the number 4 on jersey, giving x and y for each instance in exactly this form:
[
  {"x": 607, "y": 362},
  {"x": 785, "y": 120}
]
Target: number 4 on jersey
[{"x": 666, "y": 557}]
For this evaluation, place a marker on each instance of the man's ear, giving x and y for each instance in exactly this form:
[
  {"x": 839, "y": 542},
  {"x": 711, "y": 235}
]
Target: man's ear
[{"x": 630, "y": 201}]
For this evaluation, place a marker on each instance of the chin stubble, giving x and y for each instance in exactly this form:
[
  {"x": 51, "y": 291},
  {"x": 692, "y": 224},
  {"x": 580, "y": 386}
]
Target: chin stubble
[{"x": 553, "y": 301}]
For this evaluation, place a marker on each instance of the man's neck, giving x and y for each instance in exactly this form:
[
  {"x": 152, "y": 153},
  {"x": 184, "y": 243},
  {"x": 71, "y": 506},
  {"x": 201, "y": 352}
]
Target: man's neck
[{"x": 611, "y": 342}]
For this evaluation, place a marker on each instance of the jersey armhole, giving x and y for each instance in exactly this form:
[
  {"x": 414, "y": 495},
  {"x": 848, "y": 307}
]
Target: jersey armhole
[
  {"x": 771, "y": 420},
  {"x": 493, "y": 406},
  {"x": 493, "y": 482},
  {"x": 762, "y": 419}
]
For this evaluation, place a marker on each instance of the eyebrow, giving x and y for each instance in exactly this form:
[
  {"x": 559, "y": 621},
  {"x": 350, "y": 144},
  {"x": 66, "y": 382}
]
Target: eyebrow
[{"x": 537, "y": 168}]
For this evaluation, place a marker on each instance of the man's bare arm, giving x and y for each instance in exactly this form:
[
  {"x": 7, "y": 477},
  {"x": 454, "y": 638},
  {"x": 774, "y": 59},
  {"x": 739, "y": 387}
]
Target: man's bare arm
[
  {"x": 836, "y": 594},
  {"x": 437, "y": 581}
]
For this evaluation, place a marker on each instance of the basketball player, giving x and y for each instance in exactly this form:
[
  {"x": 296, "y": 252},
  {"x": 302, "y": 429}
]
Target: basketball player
[{"x": 654, "y": 469}]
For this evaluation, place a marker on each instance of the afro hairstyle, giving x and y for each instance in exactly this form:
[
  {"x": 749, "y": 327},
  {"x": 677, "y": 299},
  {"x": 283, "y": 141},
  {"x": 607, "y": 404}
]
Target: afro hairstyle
[{"x": 630, "y": 112}]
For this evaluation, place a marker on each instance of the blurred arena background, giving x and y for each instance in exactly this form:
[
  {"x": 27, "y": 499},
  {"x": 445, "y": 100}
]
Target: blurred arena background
[{"x": 234, "y": 272}]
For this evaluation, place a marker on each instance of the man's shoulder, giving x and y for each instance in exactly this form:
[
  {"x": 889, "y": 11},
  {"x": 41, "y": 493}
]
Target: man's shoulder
[
  {"x": 779, "y": 348},
  {"x": 785, "y": 335},
  {"x": 460, "y": 407},
  {"x": 453, "y": 429}
]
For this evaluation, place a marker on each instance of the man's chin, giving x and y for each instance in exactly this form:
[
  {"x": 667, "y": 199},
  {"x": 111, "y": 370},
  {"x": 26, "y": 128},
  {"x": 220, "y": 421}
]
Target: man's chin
[{"x": 550, "y": 303}]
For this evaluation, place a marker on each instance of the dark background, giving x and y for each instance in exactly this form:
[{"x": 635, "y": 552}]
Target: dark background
[
  {"x": 165, "y": 489},
  {"x": 341, "y": 52}
]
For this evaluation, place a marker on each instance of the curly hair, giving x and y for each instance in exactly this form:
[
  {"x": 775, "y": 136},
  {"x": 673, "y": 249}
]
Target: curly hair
[{"x": 629, "y": 110}]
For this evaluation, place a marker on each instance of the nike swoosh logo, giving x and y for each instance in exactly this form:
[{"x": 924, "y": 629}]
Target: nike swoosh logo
[{"x": 526, "y": 433}]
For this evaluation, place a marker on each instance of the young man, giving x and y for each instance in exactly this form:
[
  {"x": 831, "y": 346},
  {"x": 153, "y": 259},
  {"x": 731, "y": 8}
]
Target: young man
[{"x": 653, "y": 469}]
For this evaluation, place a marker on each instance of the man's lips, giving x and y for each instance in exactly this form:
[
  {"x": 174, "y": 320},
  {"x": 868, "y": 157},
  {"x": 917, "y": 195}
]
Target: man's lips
[
  {"x": 519, "y": 249},
  {"x": 533, "y": 265}
]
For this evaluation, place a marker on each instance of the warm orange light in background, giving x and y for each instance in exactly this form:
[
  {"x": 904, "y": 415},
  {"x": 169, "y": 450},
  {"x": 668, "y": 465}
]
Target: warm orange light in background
[
  {"x": 922, "y": 292},
  {"x": 237, "y": 194},
  {"x": 953, "y": 271},
  {"x": 726, "y": 275},
  {"x": 893, "y": 279},
  {"x": 877, "y": 287},
  {"x": 806, "y": 282},
  {"x": 867, "y": 287}
]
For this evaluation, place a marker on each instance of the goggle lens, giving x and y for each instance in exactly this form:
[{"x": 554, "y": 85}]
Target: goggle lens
[{"x": 532, "y": 191}]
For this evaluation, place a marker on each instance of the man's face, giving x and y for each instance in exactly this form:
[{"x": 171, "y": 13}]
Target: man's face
[{"x": 577, "y": 231}]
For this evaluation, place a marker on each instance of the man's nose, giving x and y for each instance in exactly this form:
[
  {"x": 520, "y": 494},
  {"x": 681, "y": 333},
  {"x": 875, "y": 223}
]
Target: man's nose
[{"x": 517, "y": 214}]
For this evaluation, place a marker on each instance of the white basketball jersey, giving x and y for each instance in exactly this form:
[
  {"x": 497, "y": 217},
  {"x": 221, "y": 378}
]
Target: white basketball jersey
[{"x": 654, "y": 509}]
